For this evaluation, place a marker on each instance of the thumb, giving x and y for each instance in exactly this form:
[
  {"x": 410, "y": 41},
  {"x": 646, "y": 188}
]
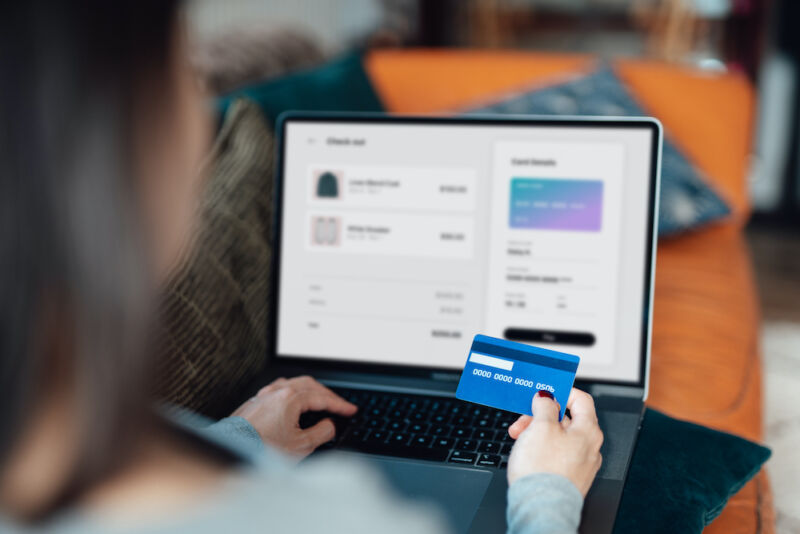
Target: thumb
[
  {"x": 322, "y": 432},
  {"x": 544, "y": 408}
]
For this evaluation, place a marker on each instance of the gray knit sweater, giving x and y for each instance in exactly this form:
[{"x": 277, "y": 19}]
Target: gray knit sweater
[{"x": 336, "y": 494}]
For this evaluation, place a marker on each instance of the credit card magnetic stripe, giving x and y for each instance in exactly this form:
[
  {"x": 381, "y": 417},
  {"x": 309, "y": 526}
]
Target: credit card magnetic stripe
[{"x": 535, "y": 355}]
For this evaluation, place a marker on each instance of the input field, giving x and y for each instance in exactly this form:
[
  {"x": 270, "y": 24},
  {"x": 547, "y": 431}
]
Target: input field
[{"x": 491, "y": 361}]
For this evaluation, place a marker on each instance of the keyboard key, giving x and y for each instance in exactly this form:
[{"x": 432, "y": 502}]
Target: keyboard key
[
  {"x": 506, "y": 448},
  {"x": 443, "y": 443},
  {"x": 503, "y": 464},
  {"x": 466, "y": 444},
  {"x": 483, "y": 423},
  {"x": 416, "y": 416},
  {"x": 502, "y": 425},
  {"x": 354, "y": 398},
  {"x": 421, "y": 440},
  {"x": 463, "y": 457},
  {"x": 355, "y": 435},
  {"x": 375, "y": 424},
  {"x": 379, "y": 436},
  {"x": 441, "y": 430},
  {"x": 488, "y": 460},
  {"x": 490, "y": 447},
  {"x": 398, "y": 438},
  {"x": 439, "y": 419},
  {"x": 461, "y": 420},
  {"x": 418, "y": 428},
  {"x": 504, "y": 436},
  {"x": 484, "y": 434},
  {"x": 510, "y": 417},
  {"x": 461, "y": 432},
  {"x": 396, "y": 426},
  {"x": 476, "y": 411}
]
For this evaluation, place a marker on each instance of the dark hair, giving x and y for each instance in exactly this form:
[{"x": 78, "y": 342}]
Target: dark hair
[{"x": 74, "y": 290}]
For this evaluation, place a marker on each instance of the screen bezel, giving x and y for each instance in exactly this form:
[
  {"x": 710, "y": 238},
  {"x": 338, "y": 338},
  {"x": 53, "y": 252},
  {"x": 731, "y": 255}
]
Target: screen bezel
[{"x": 314, "y": 365}]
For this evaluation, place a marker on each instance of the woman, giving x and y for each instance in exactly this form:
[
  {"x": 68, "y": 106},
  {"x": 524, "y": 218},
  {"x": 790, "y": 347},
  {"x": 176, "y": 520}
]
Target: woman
[{"x": 102, "y": 135}]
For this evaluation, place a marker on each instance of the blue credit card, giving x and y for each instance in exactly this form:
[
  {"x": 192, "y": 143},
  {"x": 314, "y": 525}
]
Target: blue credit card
[{"x": 506, "y": 375}]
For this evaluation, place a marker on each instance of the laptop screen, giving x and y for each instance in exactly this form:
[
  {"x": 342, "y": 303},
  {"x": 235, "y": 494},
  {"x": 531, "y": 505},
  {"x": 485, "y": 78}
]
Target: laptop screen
[{"x": 400, "y": 239}]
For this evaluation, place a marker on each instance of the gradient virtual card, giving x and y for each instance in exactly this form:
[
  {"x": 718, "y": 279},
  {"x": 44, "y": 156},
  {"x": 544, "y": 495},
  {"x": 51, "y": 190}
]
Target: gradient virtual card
[
  {"x": 556, "y": 204},
  {"x": 506, "y": 375}
]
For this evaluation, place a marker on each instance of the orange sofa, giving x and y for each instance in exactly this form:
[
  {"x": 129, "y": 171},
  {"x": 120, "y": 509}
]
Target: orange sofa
[{"x": 706, "y": 364}]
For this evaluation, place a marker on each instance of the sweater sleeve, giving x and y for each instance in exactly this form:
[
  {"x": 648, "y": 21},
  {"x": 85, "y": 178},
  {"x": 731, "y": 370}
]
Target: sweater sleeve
[
  {"x": 543, "y": 503},
  {"x": 236, "y": 431}
]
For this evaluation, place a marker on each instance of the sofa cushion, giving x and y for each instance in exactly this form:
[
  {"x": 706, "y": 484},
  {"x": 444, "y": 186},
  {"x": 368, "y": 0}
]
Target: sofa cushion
[
  {"x": 339, "y": 85},
  {"x": 711, "y": 121},
  {"x": 682, "y": 475},
  {"x": 215, "y": 304}
]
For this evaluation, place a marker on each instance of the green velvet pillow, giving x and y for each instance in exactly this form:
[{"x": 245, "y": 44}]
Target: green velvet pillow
[
  {"x": 340, "y": 85},
  {"x": 682, "y": 475}
]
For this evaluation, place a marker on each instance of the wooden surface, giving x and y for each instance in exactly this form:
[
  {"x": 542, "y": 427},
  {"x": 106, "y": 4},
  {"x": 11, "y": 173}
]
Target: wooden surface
[{"x": 706, "y": 363}]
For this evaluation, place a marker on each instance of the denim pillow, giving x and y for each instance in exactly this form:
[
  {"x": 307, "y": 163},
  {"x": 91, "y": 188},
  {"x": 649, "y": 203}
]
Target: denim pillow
[{"x": 686, "y": 200}]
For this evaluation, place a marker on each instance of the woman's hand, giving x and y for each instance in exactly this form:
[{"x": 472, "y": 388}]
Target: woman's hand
[
  {"x": 570, "y": 448},
  {"x": 275, "y": 413}
]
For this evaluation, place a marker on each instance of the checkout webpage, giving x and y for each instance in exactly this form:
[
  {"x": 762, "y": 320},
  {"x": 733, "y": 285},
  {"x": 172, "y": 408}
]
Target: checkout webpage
[{"x": 401, "y": 241}]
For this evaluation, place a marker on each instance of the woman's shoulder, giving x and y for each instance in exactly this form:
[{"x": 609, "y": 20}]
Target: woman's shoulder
[{"x": 335, "y": 494}]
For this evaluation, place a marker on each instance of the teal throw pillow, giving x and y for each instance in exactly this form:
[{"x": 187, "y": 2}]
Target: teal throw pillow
[
  {"x": 682, "y": 475},
  {"x": 340, "y": 85}
]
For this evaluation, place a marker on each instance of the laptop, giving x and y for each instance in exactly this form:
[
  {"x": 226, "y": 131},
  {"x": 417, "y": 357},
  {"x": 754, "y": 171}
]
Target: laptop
[{"x": 397, "y": 239}]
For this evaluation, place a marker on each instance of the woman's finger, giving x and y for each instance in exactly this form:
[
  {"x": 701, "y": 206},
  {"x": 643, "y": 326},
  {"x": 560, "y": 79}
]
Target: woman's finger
[
  {"x": 316, "y": 435},
  {"x": 336, "y": 404},
  {"x": 544, "y": 408},
  {"x": 324, "y": 400},
  {"x": 581, "y": 408},
  {"x": 519, "y": 425}
]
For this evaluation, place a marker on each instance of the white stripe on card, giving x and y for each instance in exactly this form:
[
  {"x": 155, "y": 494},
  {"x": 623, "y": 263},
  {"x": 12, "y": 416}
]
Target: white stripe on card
[{"x": 491, "y": 361}]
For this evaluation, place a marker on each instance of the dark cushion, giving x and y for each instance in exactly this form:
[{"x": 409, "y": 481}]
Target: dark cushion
[
  {"x": 215, "y": 304},
  {"x": 340, "y": 85},
  {"x": 686, "y": 200},
  {"x": 682, "y": 475}
]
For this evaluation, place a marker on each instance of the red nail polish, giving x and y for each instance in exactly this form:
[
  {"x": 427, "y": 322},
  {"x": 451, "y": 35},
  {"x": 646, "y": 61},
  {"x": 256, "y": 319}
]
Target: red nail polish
[{"x": 543, "y": 393}]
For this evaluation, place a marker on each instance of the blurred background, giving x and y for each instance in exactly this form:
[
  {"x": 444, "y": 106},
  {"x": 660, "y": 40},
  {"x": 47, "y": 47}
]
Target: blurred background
[{"x": 749, "y": 48}]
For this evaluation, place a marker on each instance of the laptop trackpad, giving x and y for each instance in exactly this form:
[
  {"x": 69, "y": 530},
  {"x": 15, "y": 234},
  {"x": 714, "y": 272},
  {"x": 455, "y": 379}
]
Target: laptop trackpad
[{"x": 456, "y": 490}]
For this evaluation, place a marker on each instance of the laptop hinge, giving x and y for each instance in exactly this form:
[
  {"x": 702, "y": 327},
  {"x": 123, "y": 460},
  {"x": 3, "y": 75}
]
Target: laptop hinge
[{"x": 606, "y": 390}]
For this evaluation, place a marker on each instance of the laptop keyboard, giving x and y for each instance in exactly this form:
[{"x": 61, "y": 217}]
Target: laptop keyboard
[{"x": 434, "y": 428}]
